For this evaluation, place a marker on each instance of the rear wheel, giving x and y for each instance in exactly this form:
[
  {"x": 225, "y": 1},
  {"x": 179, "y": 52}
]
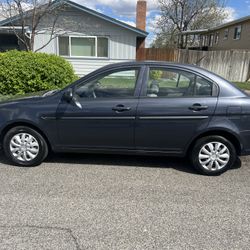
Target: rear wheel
[
  {"x": 24, "y": 146},
  {"x": 213, "y": 155}
]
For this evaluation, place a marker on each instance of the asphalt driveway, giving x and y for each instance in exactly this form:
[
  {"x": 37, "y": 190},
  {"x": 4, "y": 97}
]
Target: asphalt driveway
[{"x": 123, "y": 202}]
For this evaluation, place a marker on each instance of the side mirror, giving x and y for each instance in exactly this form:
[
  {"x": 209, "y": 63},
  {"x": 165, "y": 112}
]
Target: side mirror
[{"x": 68, "y": 95}]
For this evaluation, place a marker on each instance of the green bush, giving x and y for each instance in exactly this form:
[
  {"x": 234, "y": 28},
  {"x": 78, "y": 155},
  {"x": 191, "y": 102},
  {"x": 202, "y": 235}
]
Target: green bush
[
  {"x": 155, "y": 74},
  {"x": 25, "y": 72}
]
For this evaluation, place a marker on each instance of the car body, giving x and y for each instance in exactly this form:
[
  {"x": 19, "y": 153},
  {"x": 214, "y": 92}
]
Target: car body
[{"x": 164, "y": 109}]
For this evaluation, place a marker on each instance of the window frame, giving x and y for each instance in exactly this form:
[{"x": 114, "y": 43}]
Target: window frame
[
  {"x": 226, "y": 34},
  {"x": 87, "y": 57},
  {"x": 235, "y": 33},
  {"x": 138, "y": 83},
  {"x": 143, "y": 93}
]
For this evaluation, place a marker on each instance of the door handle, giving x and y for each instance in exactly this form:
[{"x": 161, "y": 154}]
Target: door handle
[
  {"x": 121, "y": 108},
  {"x": 198, "y": 107}
]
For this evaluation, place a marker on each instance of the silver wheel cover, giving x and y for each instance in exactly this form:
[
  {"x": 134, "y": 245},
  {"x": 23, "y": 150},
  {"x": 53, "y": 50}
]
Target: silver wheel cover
[
  {"x": 214, "y": 156},
  {"x": 24, "y": 147}
]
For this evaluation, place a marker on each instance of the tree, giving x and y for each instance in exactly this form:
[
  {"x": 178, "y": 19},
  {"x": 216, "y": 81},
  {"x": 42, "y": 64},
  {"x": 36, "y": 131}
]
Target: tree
[
  {"x": 26, "y": 18},
  {"x": 182, "y": 15}
]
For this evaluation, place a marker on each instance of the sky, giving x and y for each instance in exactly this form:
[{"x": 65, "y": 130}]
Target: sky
[
  {"x": 124, "y": 10},
  {"x": 241, "y": 7}
]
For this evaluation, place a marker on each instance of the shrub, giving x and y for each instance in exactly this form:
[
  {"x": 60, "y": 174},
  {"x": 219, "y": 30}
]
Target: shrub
[
  {"x": 155, "y": 74},
  {"x": 24, "y": 72}
]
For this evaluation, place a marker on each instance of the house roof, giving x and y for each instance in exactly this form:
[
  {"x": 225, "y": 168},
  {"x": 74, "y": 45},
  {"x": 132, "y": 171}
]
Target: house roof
[
  {"x": 140, "y": 32},
  {"x": 224, "y": 25},
  {"x": 237, "y": 21},
  {"x": 191, "y": 32}
]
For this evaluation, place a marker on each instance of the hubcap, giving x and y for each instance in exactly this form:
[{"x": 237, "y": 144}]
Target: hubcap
[
  {"x": 214, "y": 156},
  {"x": 24, "y": 147}
]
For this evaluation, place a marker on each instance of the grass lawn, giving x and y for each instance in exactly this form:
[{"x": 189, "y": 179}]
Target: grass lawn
[{"x": 243, "y": 85}]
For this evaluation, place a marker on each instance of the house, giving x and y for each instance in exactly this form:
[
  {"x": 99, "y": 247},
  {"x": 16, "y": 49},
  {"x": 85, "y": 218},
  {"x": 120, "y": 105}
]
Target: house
[
  {"x": 86, "y": 38},
  {"x": 231, "y": 35}
]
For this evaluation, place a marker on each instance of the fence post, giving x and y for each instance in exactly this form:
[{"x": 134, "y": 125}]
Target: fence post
[
  {"x": 230, "y": 65},
  {"x": 186, "y": 56}
]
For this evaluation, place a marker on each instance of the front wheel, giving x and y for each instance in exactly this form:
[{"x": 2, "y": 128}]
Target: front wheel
[
  {"x": 213, "y": 155},
  {"x": 24, "y": 146}
]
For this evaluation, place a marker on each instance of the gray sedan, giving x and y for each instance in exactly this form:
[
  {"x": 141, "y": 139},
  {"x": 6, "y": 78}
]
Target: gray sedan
[{"x": 147, "y": 108}]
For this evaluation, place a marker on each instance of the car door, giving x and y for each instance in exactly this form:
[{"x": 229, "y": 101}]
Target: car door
[
  {"x": 175, "y": 104},
  {"x": 103, "y": 112}
]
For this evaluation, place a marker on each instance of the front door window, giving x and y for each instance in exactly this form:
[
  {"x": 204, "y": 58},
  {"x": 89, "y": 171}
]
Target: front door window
[{"x": 117, "y": 84}]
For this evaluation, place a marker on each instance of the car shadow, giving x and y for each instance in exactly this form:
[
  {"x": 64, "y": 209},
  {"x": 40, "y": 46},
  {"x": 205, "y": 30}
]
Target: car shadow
[{"x": 179, "y": 164}]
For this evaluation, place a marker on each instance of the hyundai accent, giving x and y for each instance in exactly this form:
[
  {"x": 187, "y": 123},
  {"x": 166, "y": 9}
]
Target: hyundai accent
[{"x": 146, "y": 108}]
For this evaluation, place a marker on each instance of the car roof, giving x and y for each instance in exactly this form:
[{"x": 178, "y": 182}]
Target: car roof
[{"x": 159, "y": 63}]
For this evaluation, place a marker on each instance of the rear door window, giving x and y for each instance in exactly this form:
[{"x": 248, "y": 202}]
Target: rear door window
[{"x": 167, "y": 83}]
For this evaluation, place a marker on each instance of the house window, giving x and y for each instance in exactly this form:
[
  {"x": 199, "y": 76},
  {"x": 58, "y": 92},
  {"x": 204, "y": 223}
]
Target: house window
[
  {"x": 83, "y": 46},
  {"x": 216, "y": 40},
  {"x": 205, "y": 41},
  {"x": 201, "y": 40},
  {"x": 63, "y": 46},
  {"x": 237, "y": 32},
  {"x": 211, "y": 40},
  {"x": 102, "y": 47},
  {"x": 226, "y": 32}
]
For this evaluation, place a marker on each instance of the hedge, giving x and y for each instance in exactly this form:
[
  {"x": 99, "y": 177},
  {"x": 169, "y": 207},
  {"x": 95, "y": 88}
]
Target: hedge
[{"x": 25, "y": 72}]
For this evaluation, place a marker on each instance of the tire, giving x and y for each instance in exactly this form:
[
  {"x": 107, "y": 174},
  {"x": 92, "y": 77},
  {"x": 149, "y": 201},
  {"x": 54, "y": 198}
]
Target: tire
[
  {"x": 24, "y": 146},
  {"x": 213, "y": 155}
]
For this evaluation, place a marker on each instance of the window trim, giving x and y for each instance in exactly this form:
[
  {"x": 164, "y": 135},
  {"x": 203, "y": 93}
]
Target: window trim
[
  {"x": 86, "y": 57},
  {"x": 236, "y": 27},
  {"x": 143, "y": 94}
]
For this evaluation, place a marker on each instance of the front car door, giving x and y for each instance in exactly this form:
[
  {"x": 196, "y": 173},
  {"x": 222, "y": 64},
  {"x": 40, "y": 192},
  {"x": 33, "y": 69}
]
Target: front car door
[
  {"x": 174, "y": 105},
  {"x": 104, "y": 116}
]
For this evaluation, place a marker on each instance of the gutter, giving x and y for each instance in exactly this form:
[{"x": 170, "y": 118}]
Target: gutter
[{"x": 10, "y": 29}]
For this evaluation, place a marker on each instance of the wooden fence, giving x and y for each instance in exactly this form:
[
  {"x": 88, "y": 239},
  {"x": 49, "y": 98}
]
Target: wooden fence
[
  {"x": 170, "y": 55},
  {"x": 233, "y": 65}
]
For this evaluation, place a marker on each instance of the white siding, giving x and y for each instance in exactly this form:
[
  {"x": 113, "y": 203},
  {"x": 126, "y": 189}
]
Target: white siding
[
  {"x": 122, "y": 45},
  {"x": 83, "y": 67},
  {"x": 43, "y": 39}
]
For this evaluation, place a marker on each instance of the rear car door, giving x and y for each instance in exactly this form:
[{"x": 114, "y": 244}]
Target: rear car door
[{"x": 175, "y": 104}]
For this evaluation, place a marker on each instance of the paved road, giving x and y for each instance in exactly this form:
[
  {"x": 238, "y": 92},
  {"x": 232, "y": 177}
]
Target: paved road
[{"x": 121, "y": 202}]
